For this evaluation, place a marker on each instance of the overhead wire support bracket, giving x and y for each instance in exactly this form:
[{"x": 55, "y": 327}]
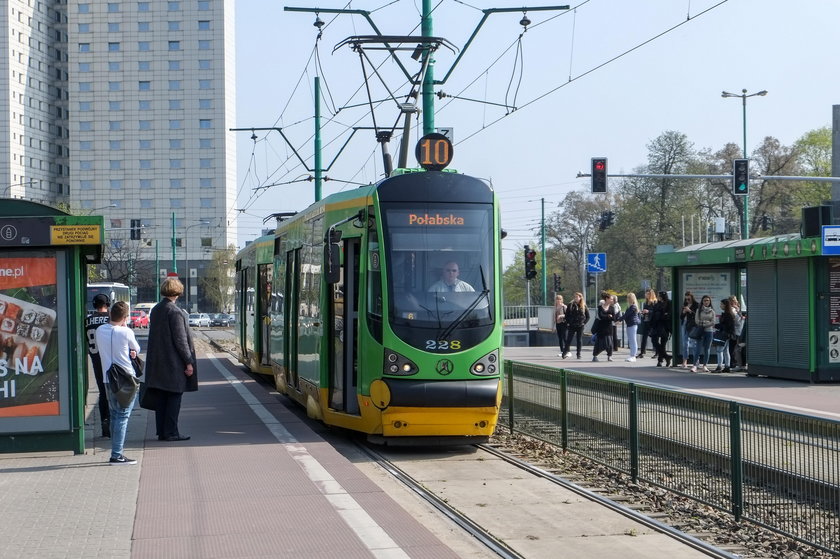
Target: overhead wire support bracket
[
  {"x": 487, "y": 13},
  {"x": 364, "y": 13}
]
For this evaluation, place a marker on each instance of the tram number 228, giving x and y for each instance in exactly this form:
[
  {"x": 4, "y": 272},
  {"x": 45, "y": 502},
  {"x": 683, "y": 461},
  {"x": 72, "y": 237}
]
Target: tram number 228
[{"x": 443, "y": 345}]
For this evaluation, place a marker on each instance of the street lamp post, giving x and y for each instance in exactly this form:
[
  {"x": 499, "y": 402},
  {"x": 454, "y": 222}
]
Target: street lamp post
[
  {"x": 187, "y": 259},
  {"x": 30, "y": 182},
  {"x": 90, "y": 212},
  {"x": 745, "y": 229}
]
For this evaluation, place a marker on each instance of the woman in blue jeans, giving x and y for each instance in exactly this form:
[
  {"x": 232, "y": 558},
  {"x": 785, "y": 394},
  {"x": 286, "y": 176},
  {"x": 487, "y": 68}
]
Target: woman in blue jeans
[
  {"x": 705, "y": 318},
  {"x": 116, "y": 344}
]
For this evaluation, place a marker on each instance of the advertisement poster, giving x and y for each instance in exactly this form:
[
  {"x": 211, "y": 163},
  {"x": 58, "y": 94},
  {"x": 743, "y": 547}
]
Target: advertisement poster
[
  {"x": 715, "y": 283},
  {"x": 29, "y": 369}
]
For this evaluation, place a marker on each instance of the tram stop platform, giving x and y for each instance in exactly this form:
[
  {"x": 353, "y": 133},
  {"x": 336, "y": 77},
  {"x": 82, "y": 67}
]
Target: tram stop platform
[{"x": 254, "y": 480}]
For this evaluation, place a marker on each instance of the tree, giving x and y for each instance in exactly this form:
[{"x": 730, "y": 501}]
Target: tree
[
  {"x": 776, "y": 199},
  {"x": 218, "y": 281},
  {"x": 813, "y": 152}
]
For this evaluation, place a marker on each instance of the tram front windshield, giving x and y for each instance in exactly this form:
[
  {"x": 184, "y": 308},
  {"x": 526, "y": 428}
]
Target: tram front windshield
[{"x": 440, "y": 268}]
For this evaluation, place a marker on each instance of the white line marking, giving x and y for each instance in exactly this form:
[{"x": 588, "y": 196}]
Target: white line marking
[{"x": 371, "y": 534}]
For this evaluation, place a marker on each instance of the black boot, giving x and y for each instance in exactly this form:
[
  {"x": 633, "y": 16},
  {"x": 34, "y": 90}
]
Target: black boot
[{"x": 667, "y": 360}]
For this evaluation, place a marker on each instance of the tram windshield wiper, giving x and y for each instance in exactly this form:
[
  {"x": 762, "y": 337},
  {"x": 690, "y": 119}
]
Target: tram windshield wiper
[{"x": 485, "y": 293}]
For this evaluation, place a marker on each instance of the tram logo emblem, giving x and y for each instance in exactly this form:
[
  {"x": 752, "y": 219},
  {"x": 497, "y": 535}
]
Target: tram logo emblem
[{"x": 444, "y": 367}]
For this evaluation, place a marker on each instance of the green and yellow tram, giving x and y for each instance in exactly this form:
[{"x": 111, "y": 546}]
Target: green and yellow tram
[{"x": 352, "y": 306}]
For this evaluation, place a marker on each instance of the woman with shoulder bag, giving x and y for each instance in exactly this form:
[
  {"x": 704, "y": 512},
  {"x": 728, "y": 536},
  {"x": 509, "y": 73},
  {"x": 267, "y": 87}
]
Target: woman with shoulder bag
[
  {"x": 726, "y": 331},
  {"x": 689, "y": 328},
  {"x": 632, "y": 318},
  {"x": 577, "y": 315},
  {"x": 705, "y": 318},
  {"x": 647, "y": 316},
  {"x": 170, "y": 360},
  {"x": 560, "y": 325},
  {"x": 117, "y": 346}
]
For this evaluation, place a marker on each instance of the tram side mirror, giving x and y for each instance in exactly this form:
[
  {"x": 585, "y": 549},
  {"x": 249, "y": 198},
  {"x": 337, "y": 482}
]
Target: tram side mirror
[{"x": 332, "y": 256}]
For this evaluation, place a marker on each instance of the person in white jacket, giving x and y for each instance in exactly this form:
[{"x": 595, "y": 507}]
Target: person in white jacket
[{"x": 117, "y": 345}]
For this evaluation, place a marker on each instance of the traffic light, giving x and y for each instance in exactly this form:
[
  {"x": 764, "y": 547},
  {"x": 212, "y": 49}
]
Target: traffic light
[
  {"x": 607, "y": 219},
  {"x": 135, "y": 229},
  {"x": 599, "y": 174},
  {"x": 530, "y": 263},
  {"x": 741, "y": 176},
  {"x": 557, "y": 286},
  {"x": 590, "y": 280}
]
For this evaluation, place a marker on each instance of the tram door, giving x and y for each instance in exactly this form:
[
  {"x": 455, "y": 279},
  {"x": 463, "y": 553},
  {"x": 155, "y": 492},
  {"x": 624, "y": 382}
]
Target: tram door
[
  {"x": 344, "y": 329},
  {"x": 291, "y": 308},
  {"x": 265, "y": 279}
]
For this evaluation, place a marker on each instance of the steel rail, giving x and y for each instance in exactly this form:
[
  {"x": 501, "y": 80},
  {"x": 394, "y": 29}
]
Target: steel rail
[
  {"x": 475, "y": 530},
  {"x": 678, "y": 535}
]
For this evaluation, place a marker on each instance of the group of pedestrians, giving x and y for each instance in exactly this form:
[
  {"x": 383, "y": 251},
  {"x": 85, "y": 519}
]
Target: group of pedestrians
[
  {"x": 701, "y": 330},
  {"x": 170, "y": 364},
  {"x": 704, "y": 329}
]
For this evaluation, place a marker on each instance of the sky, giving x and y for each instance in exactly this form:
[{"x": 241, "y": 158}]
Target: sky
[{"x": 602, "y": 79}]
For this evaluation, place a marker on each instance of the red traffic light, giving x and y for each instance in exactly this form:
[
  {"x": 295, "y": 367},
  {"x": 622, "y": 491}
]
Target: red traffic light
[{"x": 600, "y": 165}]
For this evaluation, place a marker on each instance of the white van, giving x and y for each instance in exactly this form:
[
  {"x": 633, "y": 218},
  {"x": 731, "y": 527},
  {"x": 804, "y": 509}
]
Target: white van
[{"x": 145, "y": 307}]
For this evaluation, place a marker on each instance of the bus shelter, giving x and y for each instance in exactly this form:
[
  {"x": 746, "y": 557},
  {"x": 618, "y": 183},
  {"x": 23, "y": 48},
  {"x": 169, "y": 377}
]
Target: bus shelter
[
  {"x": 791, "y": 293},
  {"x": 43, "y": 356}
]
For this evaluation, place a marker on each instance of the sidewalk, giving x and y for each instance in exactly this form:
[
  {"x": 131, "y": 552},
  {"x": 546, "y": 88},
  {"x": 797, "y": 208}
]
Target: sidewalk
[{"x": 58, "y": 504}]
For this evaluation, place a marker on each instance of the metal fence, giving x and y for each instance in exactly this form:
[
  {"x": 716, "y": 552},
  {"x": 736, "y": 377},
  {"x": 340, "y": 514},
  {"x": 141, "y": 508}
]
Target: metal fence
[{"x": 778, "y": 469}]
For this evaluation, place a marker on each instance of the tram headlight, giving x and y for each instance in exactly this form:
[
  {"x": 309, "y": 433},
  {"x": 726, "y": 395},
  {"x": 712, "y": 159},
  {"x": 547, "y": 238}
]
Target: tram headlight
[
  {"x": 486, "y": 366},
  {"x": 396, "y": 364}
]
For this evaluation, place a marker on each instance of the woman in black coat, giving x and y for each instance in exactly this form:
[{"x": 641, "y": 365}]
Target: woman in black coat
[
  {"x": 170, "y": 360},
  {"x": 660, "y": 329},
  {"x": 603, "y": 328}
]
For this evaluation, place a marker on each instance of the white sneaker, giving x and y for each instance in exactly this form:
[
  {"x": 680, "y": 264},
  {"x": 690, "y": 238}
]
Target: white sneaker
[
  {"x": 566, "y": 355},
  {"x": 559, "y": 355},
  {"x": 609, "y": 358},
  {"x": 631, "y": 359}
]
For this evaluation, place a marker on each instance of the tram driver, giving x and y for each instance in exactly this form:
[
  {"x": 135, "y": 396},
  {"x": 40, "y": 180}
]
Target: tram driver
[{"x": 449, "y": 280}]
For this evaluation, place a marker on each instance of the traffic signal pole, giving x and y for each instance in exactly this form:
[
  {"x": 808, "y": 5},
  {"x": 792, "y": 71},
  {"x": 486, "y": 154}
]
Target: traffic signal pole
[{"x": 542, "y": 251}]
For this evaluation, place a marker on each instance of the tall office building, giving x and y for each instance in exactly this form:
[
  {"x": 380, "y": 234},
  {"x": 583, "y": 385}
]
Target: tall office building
[
  {"x": 151, "y": 99},
  {"x": 34, "y": 147}
]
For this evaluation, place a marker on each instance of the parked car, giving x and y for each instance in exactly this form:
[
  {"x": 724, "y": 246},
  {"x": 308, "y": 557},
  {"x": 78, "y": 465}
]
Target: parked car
[
  {"x": 200, "y": 319},
  {"x": 138, "y": 319},
  {"x": 232, "y": 319},
  {"x": 219, "y": 319}
]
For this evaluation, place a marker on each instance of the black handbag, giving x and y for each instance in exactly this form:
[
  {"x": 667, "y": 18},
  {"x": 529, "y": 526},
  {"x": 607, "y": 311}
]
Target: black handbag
[
  {"x": 150, "y": 398},
  {"x": 138, "y": 365},
  {"x": 123, "y": 384}
]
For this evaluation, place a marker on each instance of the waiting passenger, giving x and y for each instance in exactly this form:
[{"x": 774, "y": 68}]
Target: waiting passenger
[{"x": 449, "y": 280}]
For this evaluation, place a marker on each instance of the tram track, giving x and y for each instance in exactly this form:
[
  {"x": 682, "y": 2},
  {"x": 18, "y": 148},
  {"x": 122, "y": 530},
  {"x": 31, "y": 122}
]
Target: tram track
[
  {"x": 453, "y": 514},
  {"x": 495, "y": 544},
  {"x": 635, "y": 515}
]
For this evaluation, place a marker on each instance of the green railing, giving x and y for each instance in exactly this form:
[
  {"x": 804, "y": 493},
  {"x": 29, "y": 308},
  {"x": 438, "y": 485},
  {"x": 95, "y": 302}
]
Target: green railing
[{"x": 778, "y": 469}]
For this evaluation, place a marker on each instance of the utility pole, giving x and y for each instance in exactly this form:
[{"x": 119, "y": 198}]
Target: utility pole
[
  {"x": 428, "y": 94},
  {"x": 174, "y": 262},
  {"x": 542, "y": 251},
  {"x": 318, "y": 170}
]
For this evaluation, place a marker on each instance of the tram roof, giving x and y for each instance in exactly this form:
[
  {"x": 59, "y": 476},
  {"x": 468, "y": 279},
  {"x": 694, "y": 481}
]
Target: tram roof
[{"x": 739, "y": 251}]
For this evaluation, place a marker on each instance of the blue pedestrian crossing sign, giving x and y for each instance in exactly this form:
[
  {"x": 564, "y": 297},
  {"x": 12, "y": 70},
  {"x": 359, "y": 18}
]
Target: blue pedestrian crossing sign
[{"x": 596, "y": 262}]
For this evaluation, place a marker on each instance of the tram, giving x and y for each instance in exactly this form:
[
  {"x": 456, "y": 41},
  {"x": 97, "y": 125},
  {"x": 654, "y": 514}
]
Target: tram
[{"x": 343, "y": 305}]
